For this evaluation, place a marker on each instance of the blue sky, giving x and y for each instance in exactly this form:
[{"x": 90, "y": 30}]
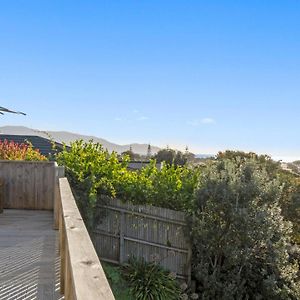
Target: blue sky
[{"x": 212, "y": 75}]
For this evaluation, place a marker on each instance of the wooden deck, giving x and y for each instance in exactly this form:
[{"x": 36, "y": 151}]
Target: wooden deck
[{"x": 29, "y": 260}]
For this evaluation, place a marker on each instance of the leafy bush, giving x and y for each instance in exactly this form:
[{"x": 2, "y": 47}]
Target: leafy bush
[
  {"x": 290, "y": 201},
  {"x": 95, "y": 171},
  {"x": 170, "y": 187},
  {"x": 262, "y": 161},
  {"x": 150, "y": 281},
  {"x": 289, "y": 198},
  {"x": 91, "y": 170},
  {"x": 15, "y": 151},
  {"x": 240, "y": 237}
]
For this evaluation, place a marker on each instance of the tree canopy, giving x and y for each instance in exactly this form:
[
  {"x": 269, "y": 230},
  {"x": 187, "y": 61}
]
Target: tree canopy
[{"x": 171, "y": 156}]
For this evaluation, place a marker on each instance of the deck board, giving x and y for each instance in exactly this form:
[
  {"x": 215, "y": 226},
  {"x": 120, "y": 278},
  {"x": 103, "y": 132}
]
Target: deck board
[{"x": 29, "y": 260}]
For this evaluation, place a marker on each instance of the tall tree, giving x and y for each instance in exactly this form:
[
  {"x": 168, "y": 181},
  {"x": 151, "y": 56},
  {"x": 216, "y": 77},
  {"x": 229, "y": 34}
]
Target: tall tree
[{"x": 149, "y": 152}]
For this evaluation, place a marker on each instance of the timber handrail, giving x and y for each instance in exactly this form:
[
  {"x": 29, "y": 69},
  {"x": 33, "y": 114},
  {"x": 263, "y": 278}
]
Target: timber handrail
[{"x": 82, "y": 276}]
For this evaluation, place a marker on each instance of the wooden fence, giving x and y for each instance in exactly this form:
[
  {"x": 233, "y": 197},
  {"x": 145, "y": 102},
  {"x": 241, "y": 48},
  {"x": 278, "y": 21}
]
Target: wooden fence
[
  {"x": 28, "y": 185},
  {"x": 126, "y": 230}
]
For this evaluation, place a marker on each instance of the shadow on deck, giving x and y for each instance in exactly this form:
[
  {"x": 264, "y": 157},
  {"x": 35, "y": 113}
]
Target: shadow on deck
[{"x": 29, "y": 258}]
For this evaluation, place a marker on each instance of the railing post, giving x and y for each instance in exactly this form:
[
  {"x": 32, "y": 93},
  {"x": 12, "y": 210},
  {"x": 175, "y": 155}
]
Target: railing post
[
  {"x": 62, "y": 250},
  {"x": 56, "y": 205},
  {"x": 59, "y": 173}
]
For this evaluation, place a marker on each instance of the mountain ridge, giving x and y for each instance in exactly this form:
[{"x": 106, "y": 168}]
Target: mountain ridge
[{"x": 67, "y": 137}]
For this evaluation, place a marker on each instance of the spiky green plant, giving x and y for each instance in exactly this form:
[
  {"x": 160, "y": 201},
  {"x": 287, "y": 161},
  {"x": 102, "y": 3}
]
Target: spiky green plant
[{"x": 149, "y": 281}]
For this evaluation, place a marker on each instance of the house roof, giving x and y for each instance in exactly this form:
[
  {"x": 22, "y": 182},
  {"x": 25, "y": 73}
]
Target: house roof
[{"x": 45, "y": 146}]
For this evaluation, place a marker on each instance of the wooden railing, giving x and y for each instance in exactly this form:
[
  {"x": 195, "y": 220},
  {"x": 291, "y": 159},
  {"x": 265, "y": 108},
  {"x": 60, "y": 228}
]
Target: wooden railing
[
  {"x": 39, "y": 186},
  {"x": 82, "y": 276}
]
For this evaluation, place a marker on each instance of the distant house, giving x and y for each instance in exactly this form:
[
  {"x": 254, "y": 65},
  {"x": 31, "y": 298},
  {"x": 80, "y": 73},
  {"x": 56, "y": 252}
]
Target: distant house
[
  {"x": 45, "y": 146},
  {"x": 138, "y": 165}
]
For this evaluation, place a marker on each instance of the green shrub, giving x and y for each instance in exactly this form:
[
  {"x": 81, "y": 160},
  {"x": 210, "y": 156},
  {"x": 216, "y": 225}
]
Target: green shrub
[
  {"x": 240, "y": 237},
  {"x": 149, "y": 281},
  {"x": 91, "y": 170},
  {"x": 171, "y": 187},
  {"x": 290, "y": 183},
  {"x": 94, "y": 171}
]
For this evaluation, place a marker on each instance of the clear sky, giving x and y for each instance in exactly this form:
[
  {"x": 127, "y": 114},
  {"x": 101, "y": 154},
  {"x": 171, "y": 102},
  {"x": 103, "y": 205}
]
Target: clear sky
[{"x": 212, "y": 75}]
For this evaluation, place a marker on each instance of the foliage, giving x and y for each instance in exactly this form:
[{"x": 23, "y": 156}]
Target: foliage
[
  {"x": 15, "y": 151},
  {"x": 91, "y": 171},
  {"x": 290, "y": 183},
  {"x": 132, "y": 156},
  {"x": 116, "y": 281},
  {"x": 296, "y": 162},
  {"x": 290, "y": 201},
  {"x": 264, "y": 161},
  {"x": 239, "y": 235},
  {"x": 171, "y": 157},
  {"x": 95, "y": 171},
  {"x": 170, "y": 187},
  {"x": 147, "y": 280},
  {"x": 294, "y": 167}
]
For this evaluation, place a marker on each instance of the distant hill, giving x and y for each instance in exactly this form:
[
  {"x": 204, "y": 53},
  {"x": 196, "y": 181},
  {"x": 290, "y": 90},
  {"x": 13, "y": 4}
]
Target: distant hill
[{"x": 67, "y": 137}]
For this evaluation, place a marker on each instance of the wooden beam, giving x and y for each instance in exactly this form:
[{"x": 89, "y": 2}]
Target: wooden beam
[
  {"x": 59, "y": 173},
  {"x": 140, "y": 214},
  {"x": 86, "y": 278}
]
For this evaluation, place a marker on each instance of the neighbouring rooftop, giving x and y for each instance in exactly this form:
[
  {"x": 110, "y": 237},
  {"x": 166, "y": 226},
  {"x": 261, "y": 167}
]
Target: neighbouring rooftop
[{"x": 45, "y": 146}]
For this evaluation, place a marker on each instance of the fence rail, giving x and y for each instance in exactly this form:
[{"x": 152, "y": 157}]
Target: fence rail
[{"x": 126, "y": 230}]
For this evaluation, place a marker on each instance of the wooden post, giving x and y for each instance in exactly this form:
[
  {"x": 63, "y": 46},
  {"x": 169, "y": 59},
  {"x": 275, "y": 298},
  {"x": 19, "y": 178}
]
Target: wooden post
[
  {"x": 59, "y": 173},
  {"x": 189, "y": 264},
  {"x": 62, "y": 251},
  {"x": 56, "y": 205},
  {"x": 122, "y": 247}
]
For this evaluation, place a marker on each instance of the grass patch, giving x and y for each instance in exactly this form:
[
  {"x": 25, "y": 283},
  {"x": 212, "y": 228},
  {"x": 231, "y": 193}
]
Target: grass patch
[{"x": 117, "y": 283}]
